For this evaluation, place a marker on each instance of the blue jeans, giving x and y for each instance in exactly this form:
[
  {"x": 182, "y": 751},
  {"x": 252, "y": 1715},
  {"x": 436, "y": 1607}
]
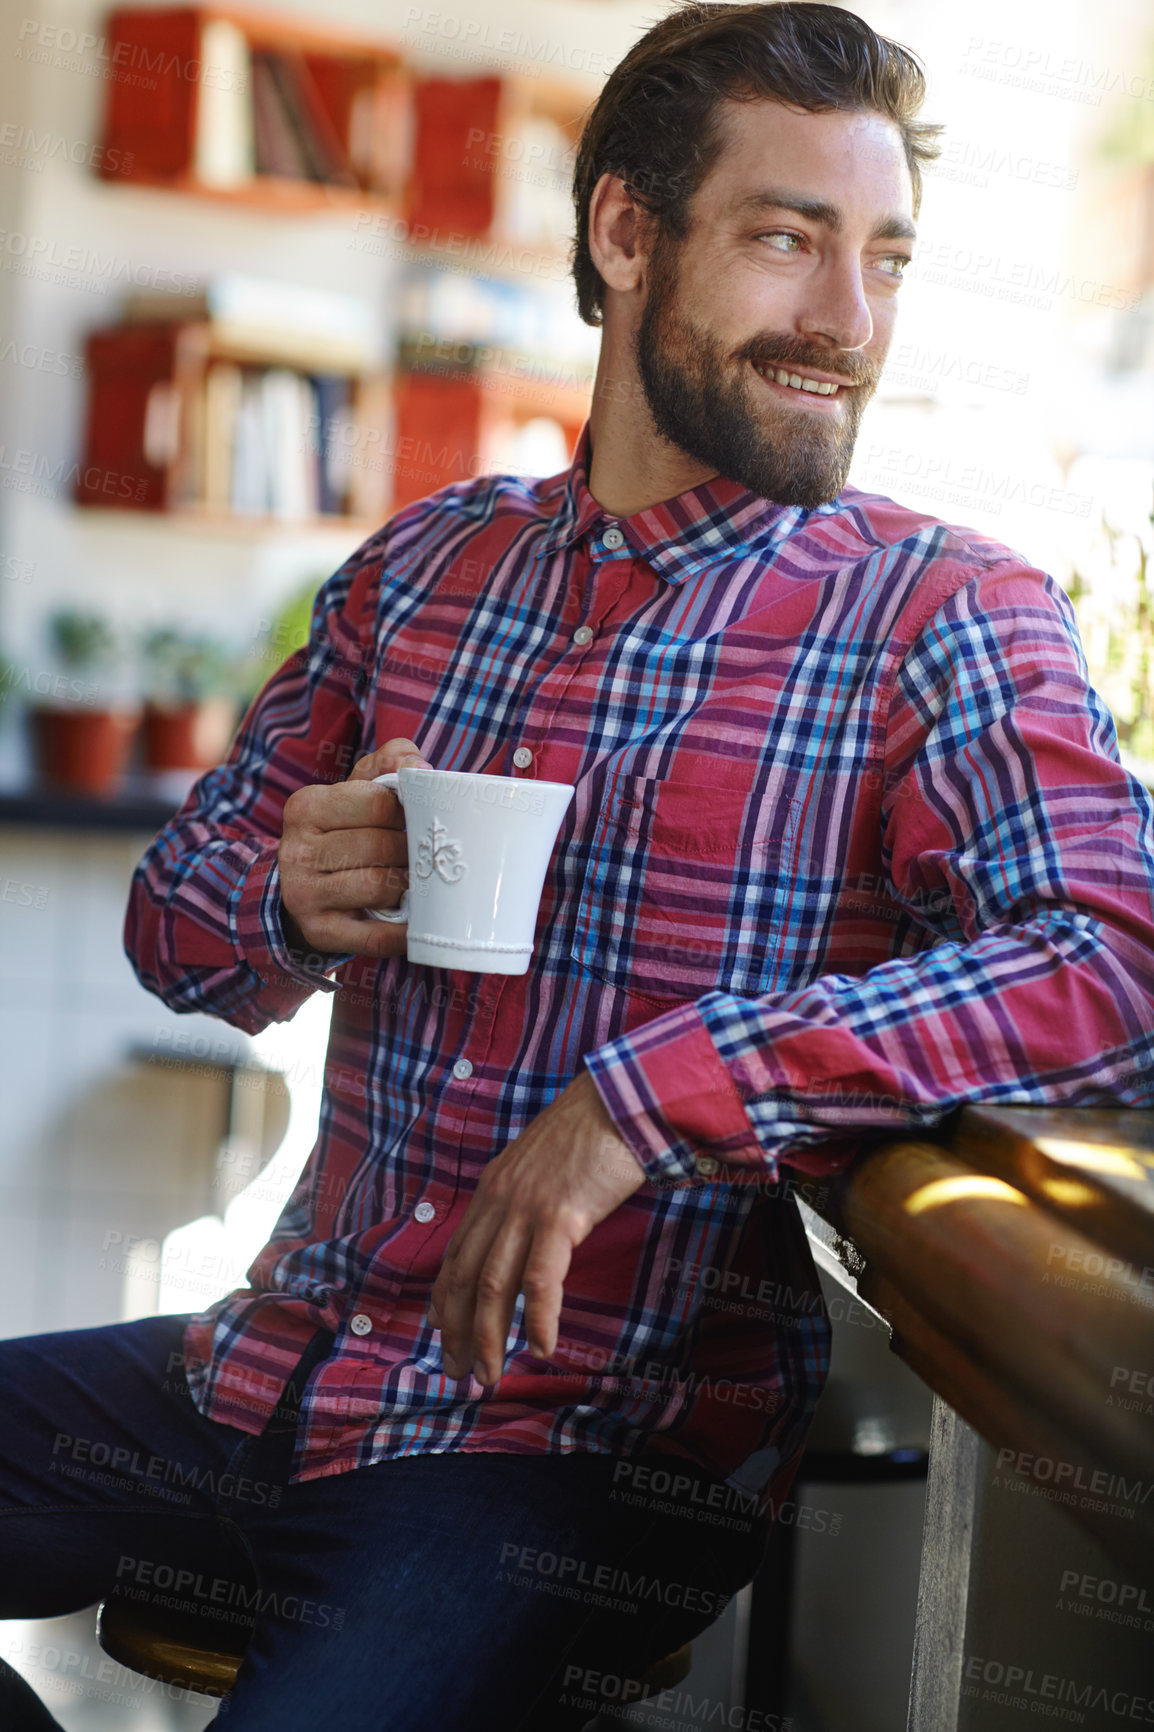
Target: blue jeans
[{"x": 423, "y": 1594}]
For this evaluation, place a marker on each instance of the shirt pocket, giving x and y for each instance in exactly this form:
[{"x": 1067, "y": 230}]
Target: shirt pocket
[{"x": 682, "y": 891}]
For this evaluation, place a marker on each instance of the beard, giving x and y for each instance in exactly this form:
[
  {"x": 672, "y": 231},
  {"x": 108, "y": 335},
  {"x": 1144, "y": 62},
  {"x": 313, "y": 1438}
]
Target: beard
[{"x": 702, "y": 399}]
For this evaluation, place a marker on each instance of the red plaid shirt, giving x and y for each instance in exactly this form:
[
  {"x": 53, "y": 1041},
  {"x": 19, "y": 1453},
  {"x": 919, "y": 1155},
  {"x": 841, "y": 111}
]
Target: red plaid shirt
[{"x": 850, "y": 845}]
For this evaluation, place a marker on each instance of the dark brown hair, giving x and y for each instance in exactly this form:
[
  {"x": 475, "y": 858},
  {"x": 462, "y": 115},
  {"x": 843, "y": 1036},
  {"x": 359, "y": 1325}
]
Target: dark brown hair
[{"x": 656, "y": 123}]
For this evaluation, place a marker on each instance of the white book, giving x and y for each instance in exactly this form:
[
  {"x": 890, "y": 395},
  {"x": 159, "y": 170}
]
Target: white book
[
  {"x": 224, "y": 155},
  {"x": 286, "y": 404},
  {"x": 250, "y": 488}
]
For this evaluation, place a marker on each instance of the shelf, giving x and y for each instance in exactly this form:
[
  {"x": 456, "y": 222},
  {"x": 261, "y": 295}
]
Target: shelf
[
  {"x": 468, "y": 180},
  {"x": 145, "y": 803},
  {"x": 508, "y": 386},
  {"x": 225, "y": 524},
  {"x": 282, "y": 115},
  {"x": 274, "y": 193},
  {"x": 173, "y": 424},
  {"x": 487, "y": 255}
]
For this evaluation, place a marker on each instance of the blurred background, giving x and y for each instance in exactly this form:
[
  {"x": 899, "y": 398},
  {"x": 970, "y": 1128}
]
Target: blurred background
[{"x": 265, "y": 277}]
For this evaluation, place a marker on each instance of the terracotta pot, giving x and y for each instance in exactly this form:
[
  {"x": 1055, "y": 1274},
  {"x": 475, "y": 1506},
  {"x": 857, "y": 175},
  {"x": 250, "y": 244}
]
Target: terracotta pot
[
  {"x": 188, "y": 736},
  {"x": 84, "y": 750}
]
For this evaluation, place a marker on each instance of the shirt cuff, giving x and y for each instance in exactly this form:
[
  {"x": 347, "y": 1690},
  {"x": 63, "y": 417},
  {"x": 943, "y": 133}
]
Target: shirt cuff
[
  {"x": 260, "y": 939},
  {"x": 671, "y": 1097}
]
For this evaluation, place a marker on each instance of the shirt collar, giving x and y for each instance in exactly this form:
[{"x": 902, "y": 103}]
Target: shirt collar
[{"x": 716, "y": 522}]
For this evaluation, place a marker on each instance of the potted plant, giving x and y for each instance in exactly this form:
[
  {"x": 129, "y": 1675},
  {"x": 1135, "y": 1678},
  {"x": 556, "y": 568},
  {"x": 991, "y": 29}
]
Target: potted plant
[
  {"x": 190, "y": 708},
  {"x": 83, "y": 721}
]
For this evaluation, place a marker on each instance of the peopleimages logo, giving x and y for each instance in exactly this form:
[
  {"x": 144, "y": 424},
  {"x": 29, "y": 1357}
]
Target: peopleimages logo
[
  {"x": 1021, "y": 1687},
  {"x": 218, "y": 1595},
  {"x": 607, "y": 1580}
]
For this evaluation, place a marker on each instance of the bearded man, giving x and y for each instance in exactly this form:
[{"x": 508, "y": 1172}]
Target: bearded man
[{"x": 851, "y": 845}]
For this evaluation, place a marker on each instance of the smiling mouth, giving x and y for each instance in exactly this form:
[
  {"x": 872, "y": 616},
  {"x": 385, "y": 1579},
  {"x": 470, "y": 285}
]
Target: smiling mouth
[{"x": 803, "y": 383}]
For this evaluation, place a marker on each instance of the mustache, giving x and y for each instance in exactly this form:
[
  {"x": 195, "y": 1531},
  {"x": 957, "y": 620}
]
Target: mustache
[{"x": 792, "y": 351}]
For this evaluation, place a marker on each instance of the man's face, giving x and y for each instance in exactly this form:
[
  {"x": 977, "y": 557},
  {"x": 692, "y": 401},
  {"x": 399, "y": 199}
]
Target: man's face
[{"x": 793, "y": 261}]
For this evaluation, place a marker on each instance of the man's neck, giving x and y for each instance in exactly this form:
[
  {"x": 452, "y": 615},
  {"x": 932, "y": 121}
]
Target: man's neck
[{"x": 632, "y": 466}]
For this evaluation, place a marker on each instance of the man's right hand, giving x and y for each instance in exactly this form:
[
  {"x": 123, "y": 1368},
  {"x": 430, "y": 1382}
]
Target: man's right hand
[{"x": 342, "y": 850}]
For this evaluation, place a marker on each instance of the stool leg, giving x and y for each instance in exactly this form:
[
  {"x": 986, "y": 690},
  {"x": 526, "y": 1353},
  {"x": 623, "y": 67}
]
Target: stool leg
[{"x": 767, "y": 1669}]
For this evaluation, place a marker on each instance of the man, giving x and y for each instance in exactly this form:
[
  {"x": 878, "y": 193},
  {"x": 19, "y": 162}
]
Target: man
[{"x": 850, "y": 846}]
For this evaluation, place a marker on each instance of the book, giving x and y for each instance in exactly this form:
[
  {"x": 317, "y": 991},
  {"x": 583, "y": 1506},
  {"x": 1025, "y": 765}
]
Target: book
[
  {"x": 324, "y": 149},
  {"x": 222, "y": 400},
  {"x": 381, "y": 134},
  {"x": 248, "y": 490},
  {"x": 318, "y": 330},
  {"x": 332, "y": 413},
  {"x": 280, "y": 149},
  {"x": 290, "y": 474},
  {"x": 223, "y": 149}
]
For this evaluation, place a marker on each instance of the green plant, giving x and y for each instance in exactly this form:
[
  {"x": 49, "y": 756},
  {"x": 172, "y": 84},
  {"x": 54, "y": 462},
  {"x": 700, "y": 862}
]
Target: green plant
[
  {"x": 185, "y": 668},
  {"x": 83, "y": 641},
  {"x": 280, "y": 638},
  {"x": 1116, "y": 619}
]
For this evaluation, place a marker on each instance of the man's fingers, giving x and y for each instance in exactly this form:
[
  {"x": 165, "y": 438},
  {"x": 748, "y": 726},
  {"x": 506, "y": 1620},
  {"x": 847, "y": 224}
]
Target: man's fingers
[
  {"x": 498, "y": 1284},
  {"x": 391, "y": 756},
  {"x": 543, "y": 1284},
  {"x": 454, "y": 1292},
  {"x": 343, "y": 806},
  {"x": 336, "y": 934},
  {"x": 335, "y": 851},
  {"x": 372, "y": 887}
]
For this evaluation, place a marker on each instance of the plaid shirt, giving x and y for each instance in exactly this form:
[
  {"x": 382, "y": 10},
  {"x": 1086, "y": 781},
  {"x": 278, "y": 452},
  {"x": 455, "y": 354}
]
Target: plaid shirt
[{"x": 851, "y": 845}]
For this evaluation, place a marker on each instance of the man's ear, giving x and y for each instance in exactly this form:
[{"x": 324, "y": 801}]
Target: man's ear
[{"x": 619, "y": 235}]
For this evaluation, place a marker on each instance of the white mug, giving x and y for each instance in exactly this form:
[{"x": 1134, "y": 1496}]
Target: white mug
[{"x": 479, "y": 848}]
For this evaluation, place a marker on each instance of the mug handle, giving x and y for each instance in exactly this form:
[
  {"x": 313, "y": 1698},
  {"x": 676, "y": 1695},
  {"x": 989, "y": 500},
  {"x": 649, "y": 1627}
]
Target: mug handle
[{"x": 399, "y": 915}]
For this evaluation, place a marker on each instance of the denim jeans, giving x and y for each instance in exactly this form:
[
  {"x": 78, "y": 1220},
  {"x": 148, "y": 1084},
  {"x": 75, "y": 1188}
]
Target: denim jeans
[{"x": 423, "y": 1594}]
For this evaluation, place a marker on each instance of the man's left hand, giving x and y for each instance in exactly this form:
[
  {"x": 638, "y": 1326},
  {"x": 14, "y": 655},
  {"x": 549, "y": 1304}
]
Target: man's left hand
[{"x": 535, "y": 1203}]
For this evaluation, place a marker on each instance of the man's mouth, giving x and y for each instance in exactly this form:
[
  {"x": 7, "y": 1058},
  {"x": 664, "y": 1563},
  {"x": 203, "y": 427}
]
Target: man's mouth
[{"x": 814, "y": 384}]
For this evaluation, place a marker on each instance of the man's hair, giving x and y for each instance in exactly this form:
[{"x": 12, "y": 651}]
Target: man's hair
[{"x": 657, "y": 124}]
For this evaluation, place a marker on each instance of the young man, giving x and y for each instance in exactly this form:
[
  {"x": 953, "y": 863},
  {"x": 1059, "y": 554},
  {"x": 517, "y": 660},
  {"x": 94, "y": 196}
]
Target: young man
[{"x": 850, "y": 846}]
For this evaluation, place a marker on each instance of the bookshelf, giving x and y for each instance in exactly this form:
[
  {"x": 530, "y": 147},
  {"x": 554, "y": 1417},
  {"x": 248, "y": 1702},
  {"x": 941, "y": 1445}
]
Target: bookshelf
[
  {"x": 255, "y": 108},
  {"x": 492, "y": 161},
  {"x": 455, "y": 420},
  {"x": 250, "y": 427},
  {"x": 213, "y": 428}
]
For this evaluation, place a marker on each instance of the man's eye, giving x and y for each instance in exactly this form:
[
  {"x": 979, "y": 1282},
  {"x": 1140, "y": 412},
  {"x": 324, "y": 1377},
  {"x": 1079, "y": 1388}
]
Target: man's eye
[
  {"x": 786, "y": 235},
  {"x": 892, "y": 260}
]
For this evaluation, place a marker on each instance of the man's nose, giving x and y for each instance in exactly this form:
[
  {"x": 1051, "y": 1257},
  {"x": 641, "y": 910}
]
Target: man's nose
[{"x": 835, "y": 306}]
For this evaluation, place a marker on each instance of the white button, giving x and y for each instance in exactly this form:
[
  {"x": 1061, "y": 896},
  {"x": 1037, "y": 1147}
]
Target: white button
[
  {"x": 583, "y": 634},
  {"x": 424, "y": 1212},
  {"x": 614, "y": 538},
  {"x": 462, "y": 1069},
  {"x": 522, "y": 757},
  {"x": 706, "y": 1166},
  {"x": 360, "y": 1324}
]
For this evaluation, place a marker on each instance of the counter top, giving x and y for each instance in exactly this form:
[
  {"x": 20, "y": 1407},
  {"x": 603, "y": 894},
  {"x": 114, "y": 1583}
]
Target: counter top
[{"x": 143, "y": 803}]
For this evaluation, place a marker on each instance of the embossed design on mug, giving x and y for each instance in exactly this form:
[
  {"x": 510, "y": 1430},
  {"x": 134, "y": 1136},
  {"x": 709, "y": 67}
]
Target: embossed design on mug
[{"x": 435, "y": 853}]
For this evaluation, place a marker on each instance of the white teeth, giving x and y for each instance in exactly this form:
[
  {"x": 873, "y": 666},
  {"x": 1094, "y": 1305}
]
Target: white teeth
[{"x": 821, "y": 387}]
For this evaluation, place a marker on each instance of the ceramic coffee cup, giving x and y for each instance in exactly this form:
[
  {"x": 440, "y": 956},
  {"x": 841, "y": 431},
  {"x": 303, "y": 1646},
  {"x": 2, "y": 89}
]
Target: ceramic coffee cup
[{"x": 479, "y": 848}]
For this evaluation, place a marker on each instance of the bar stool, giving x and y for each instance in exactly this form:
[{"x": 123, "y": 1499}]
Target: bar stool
[{"x": 183, "y": 1649}]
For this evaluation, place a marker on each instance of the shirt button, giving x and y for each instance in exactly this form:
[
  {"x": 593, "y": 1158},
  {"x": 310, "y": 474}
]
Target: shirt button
[
  {"x": 462, "y": 1069},
  {"x": 583, "y": 634},
  {"x": 360, "y": 1324},
  {"x": 613, "y": 538},
  {"x": 522, "y": 757},
  {"x": 424, "y": 1212},
  {"x": 706, "y": 1166}
]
